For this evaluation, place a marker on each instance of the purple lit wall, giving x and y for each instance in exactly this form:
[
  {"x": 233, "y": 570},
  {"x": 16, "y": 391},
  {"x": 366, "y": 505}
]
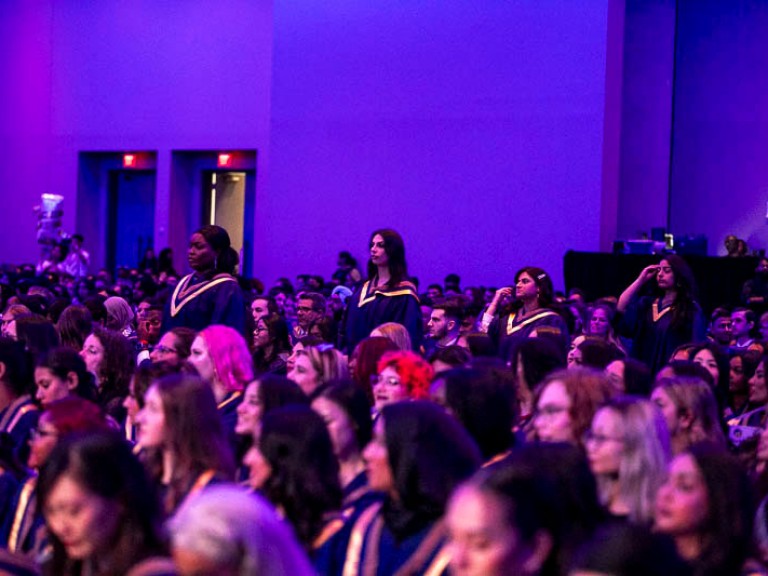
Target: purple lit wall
[
  {"x": 475, "y": 129},
  {"x": 649, "y": 33},
  {"x": 720, "y": 153},
  {"x": 25, "y": 122},
  {"x": 117, "y": 76}
]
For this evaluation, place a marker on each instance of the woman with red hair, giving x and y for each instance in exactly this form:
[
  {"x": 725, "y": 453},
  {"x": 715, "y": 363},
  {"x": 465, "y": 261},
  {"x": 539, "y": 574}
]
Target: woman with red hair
[
  {"x": 364, "y": 362},
  {"x": 402, "y": 376},
  {"x": 221, "y": 356}
]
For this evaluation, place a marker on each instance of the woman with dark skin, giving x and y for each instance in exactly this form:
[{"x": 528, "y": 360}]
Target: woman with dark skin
[
  {"x": 211, "y": 294},
  {"x": 387, "y": 296}
]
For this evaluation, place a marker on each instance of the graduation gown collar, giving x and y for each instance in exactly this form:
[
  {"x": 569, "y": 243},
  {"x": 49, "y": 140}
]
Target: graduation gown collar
[
  {"x": 368, "y": 294},
  {"x": 186, "y": 290}
]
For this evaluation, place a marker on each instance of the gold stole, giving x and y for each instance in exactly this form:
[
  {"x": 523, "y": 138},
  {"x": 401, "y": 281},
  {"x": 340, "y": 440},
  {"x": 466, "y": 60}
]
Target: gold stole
[
  {"x": 14, "y": 413},
  {"x": 23, "y": 517},
  {"x": 234, "y": 396},
  {"x": 371, "y": 523},
  {"x": 357, "y": 538},
  {"x": 365, "y": 298},
  {"x": 201, "y": 482},
  {"x": 183, "y": 294},
  {"x": 511, "y": 328},
  {"x": 655, "y": 314}
]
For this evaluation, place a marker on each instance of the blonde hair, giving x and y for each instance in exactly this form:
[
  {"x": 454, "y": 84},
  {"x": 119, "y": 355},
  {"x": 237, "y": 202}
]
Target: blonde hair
[
  {"x": 395, "y": 332},
  {"x": 329, "y": 363},
  {"x": 644, "y": 458}
]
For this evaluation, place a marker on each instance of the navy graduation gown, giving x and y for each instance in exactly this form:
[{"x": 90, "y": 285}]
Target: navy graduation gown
[
  {"x": 197, "y": 303},
  {"x": 374, "y": 551},
  {"x": 509, "y": 331},
  {"x": 18, "y": 419},
  {"x": 653, "y": 336},
  {"x": 370, "y": 307},
  {"x": 227, "y": 410}
]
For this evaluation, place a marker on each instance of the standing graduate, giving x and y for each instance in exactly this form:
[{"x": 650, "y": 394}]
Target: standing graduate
[
  {"x": 667, "y": 318},
  {"x": 387, "y": 295},
  {"x": 211, "y": 294},
  {"x": 532, "y": 309}
]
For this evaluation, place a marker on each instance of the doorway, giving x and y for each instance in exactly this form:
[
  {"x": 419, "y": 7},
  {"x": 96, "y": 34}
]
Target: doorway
[
  {"x": 228, "y": 202},
  {"x": 206, "y": 191},
  {"x": 130, "y": 216}
]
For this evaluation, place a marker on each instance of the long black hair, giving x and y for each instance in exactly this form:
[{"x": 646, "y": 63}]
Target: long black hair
[
  {"x": 685, "y": 304},
  {"x": 485, "y": 403},
  {"x": 103, "y": 463},
  {"x": 278, "y": 391},
  {"x": 395, "y": 249},
  {"x": 573, "y": 494},
  {"x": 728, "y": 526},
  {"x": 305, "y": 473},
  {"x": 352, "y": 399},
  {"x": 430, "y": 454}
]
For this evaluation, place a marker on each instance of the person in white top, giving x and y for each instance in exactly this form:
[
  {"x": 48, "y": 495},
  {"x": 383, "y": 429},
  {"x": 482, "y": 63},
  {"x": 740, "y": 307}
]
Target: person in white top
[{"x": 78, "y": 260}]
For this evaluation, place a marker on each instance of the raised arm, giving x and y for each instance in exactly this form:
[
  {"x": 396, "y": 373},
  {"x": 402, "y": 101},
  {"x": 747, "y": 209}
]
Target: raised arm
[
  {"x": 490, "y": 312},
  {"x": 626, "y": 297}
]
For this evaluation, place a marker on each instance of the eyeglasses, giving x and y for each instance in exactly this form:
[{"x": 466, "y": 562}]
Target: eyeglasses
[
  {"x": 590, "y": 436},
  {"x": 37, "y": 433},
  {"x": 392, "y": 382},
  {"x": 163, "y": 350}
]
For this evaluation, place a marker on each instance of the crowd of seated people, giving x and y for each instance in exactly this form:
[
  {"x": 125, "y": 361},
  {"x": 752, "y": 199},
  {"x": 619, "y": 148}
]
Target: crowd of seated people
[{"x": 155, "y": 424}]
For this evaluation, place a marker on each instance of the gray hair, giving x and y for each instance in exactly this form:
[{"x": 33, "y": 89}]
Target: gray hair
[{"x": 236, "y": 529}]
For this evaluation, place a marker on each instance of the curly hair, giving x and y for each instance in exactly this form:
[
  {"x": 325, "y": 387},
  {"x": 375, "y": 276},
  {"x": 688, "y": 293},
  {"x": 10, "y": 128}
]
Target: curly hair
[{"x": 415, "y": 373}]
